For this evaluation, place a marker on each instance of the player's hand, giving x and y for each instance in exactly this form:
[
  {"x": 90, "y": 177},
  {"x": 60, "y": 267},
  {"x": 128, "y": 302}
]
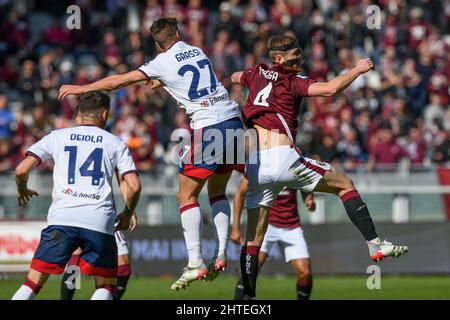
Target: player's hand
[
  {"x": 123, "y": 221},
  {"x": 154, "y": 84},
  {"x": 25, "y": 196},
  {"x": 70, "y": 89},
  {"x": 364, "y": 65},
  {"x": 236, "y": 236},
  {"x": 310, "y": 204},
  {"x": 133, "y": 222}
]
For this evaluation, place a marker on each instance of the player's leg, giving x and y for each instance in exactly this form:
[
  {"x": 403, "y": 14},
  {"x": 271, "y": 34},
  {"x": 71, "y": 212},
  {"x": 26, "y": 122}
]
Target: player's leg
[
  {"x": 54, "y": 250},
  {"x": 105, "y": 288},
  {"x": 296, "y": 252},
  {"x": 124, "y": 265},
  {"x": 257, "y": 222},
  {"x": 68, "y": 285},
  {"x": 239, "y": 289},
  {"x": 337, "y": 183},
  {"x": 220, "y": 212},
  {"x": 31, "y": 286},
  {"x": 191, "y": 221},
  {"x": 99, "y": 259},
  {"x": 302, "y": 268}
]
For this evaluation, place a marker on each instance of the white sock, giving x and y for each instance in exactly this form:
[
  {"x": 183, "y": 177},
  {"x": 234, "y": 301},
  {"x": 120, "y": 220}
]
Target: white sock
[
  {"x": 221, "y": 212},
  {"x": 24, "y": 293},
  {"x": 102, "y": 294},
  {"x": 376, "y": 241},
  {"x": 191, "y": 221}
]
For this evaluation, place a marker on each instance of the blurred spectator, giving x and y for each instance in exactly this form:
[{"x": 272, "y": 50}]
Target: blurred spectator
[
  {"x": 6, "y": 118},
  {"x": 384, "y": 152},
  {"x": 401, "y": 109},
  {"x": 415, "y": 147},
  {"x": 442, "y": 152}
]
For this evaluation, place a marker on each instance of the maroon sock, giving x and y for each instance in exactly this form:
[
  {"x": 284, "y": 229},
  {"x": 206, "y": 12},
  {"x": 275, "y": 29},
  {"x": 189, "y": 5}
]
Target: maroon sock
[{"x": 33, "y": 286}]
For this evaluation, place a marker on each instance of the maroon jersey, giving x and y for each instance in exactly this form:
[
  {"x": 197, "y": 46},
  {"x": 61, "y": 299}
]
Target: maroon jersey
[
  {"x": 274, "y": 98},
  {"x": 284, "y": 211}
]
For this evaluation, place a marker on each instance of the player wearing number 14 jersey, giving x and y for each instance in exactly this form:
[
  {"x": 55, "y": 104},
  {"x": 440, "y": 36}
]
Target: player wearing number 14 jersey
[
  {"x": 82, "y": 213},
  {"x": 186, "y": 73}
]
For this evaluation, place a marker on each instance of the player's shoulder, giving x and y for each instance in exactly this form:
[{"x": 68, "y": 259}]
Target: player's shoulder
[{"x": 112, "y": 138}]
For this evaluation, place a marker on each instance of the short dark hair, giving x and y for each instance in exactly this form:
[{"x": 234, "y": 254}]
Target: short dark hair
[
  {"x": 164, "y": 30},
  {"x": 92, "y": 102}
]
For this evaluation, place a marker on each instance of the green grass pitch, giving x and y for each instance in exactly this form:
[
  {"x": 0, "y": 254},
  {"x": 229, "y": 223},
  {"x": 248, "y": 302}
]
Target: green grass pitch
[{"x": 269, "y": 288}]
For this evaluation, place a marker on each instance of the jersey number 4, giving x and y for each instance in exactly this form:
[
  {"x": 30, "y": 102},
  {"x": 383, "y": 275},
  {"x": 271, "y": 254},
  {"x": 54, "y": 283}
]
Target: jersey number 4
[
  {"x": 94, "y": 158},
  {"x": 193, "y": 93},
  {"x": 262, "y": 96}
]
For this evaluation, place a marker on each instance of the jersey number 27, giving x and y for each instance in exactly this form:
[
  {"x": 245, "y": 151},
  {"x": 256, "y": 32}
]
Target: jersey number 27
[
  {"x": 94, "y": 158},
  {"x": 193, "y": 93}
]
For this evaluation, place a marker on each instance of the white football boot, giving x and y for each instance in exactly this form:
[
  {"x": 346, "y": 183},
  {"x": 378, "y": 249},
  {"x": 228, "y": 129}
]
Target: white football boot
[
  {"x": 385, "y": 249},
  {"x": 189, "y": 275}
]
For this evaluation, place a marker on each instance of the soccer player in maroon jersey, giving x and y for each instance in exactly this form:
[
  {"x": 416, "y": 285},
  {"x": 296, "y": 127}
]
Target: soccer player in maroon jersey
[
  {"x": 272, "y": 108},
  {"x": 284, "y": 227}
]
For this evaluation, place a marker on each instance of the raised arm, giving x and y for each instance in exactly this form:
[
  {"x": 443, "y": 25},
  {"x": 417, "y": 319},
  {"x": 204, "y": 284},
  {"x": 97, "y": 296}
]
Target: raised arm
[
  {"x": 339, "y": 83},
  {"x": 109, "y": 83},
  {"x": 22, "y": 172},
  {"x": 238, "y": 204}
]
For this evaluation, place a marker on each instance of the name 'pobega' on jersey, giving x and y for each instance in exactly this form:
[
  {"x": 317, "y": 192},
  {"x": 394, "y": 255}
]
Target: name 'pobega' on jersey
[
  {"x": 186, "y": 73},
  {"x": 85, "y": 158}
]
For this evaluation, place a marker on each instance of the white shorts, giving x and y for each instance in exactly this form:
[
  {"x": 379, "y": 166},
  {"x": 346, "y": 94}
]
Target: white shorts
[
  {"x": 122, "y": 245},
  {"x": 269, "y": 171},
  {"x": 292, "y": 241}
]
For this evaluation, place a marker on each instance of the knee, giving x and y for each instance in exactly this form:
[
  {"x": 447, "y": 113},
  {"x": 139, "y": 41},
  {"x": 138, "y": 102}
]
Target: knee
[
  {"x": 184, "y": 198},
  {"x": 345, "y": 183},
  {"x": 304, "y": 275}
]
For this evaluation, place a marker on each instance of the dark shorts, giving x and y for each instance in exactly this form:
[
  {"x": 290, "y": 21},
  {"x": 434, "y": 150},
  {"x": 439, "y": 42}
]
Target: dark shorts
[
  {"x": 98, "y": 257},
  {"x": 214, "y": 149}
]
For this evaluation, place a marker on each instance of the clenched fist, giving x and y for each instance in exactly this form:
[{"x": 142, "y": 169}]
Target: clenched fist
[{"x": 364, "y": 65}]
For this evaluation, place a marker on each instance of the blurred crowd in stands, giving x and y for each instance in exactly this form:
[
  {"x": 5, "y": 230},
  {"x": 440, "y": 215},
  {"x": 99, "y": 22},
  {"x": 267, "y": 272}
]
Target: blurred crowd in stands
[{"x": 399, "y": 113}]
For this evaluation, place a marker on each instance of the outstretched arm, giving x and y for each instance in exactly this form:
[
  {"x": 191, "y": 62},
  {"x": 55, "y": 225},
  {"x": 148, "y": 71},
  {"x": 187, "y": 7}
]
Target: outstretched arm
[
  {"x": 22, "y": 172},
  {"x": 238, "y": 204},
  {"x": 109, "y": 83},
  {"x": 339, "y": 83}
]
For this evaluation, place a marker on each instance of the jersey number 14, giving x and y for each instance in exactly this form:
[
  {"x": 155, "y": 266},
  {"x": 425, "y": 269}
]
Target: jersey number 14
[{"x": 94, "y": 158}]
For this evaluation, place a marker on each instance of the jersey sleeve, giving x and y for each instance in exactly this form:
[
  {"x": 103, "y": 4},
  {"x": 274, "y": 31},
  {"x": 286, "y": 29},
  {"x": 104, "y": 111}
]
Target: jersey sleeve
[
  {"x": 43, "y": 149},
  {"x": 301, "y": 84},
  {"x": 151, "y": 69},
  {"x": 125, "y": 163},
  {"x": 247, "y": 76}
]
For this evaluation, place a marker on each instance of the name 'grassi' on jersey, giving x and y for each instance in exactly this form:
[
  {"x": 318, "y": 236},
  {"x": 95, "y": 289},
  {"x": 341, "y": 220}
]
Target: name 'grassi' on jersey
[
  {"x": 187, "y": 74},
  {"x": 85, "y": 158}
]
